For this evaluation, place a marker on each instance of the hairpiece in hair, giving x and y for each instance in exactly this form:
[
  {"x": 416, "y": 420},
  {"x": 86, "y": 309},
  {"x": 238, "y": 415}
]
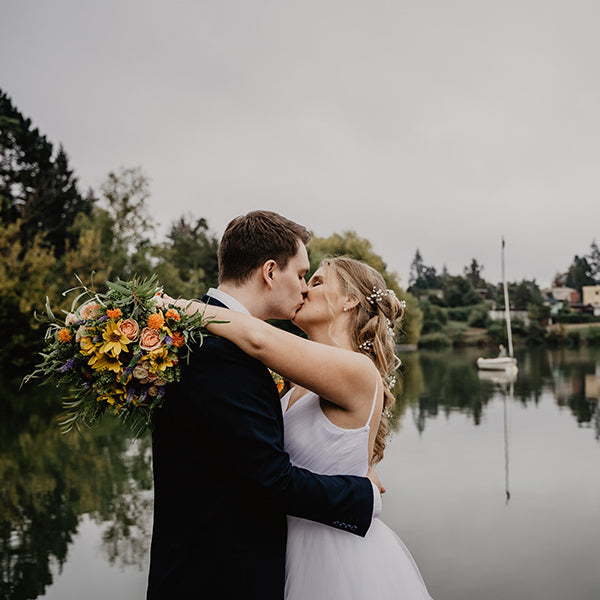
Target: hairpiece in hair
[
  {"x": 376, "y": 296},
  {"x": 390, "y": 381},
  {"x": 391, "y": 332},
  {"x": 365, "y": 345},
  {"x": 403, "y": 303}
]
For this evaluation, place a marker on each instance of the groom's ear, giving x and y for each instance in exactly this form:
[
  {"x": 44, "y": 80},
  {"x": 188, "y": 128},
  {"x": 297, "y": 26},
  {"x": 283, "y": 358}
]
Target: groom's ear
[{"x": 268, "y": 270}]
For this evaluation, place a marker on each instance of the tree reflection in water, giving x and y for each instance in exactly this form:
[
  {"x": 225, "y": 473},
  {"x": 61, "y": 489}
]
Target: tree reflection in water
[
  {"x": 50, "y": 480},
  {"x": 434, "y": 382}
]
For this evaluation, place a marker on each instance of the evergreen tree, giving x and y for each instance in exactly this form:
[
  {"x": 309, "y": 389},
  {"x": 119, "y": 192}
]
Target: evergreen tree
[
  {"x": 473, "y": 274},
  {"x": 37, "y": 185},
  {"x": 594, "y": 262},
  {"x": 579, "y": 274}
]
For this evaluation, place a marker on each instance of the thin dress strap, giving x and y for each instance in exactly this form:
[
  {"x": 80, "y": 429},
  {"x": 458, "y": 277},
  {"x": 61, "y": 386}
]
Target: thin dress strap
[{"x": 373, "y": 405}]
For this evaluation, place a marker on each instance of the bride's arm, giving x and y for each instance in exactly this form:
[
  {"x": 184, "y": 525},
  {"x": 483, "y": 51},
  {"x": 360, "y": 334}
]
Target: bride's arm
[{"x": 341, "y": 376}]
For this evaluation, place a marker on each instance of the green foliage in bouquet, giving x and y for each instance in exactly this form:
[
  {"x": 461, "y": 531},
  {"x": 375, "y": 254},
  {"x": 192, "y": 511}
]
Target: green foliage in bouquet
[{"x": 116, "y": 352}]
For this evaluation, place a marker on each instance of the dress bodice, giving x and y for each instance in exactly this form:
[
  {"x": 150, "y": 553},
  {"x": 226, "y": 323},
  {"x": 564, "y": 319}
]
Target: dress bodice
[{"x": 315, "y": 443}]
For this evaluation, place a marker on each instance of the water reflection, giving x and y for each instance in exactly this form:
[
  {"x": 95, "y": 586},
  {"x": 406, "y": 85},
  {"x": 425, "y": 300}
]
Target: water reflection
[
  {"x": 53, "y": 485},
  {"x": 49, "y": 481},
  {"x": 445, "y": 382}
]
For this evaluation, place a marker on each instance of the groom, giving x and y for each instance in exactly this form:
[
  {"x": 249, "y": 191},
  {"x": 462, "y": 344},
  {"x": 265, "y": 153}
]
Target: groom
[{"x": 222, "y": 480}]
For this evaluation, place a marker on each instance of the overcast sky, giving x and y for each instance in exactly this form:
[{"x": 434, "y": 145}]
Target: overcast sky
[{"x": 433, "y": 124}]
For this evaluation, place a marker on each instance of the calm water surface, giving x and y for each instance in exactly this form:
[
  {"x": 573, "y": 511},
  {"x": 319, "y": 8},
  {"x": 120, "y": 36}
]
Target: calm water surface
[{"x": 493, "y": 485}]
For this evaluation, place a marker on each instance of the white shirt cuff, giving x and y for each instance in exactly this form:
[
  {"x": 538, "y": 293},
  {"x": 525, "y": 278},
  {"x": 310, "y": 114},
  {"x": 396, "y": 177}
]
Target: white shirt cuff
[{"x": 376, "y": 501}]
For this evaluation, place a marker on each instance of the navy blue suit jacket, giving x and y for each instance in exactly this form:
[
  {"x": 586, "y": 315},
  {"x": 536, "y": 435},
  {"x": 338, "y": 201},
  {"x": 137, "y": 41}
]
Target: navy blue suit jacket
[{"x": 223, "y": 483}]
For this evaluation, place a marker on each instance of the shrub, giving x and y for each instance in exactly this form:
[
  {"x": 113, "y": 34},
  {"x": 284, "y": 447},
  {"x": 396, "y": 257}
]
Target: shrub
[
  {"x": 556, "y": 337},
  {"x": 435, "y": 341},
  {"x": 431, "y": 326},
  {"x": 497, "y": 332},
  {"x": 459, "y": 313},
  {"x": 592, "y": 336},
  {"x": 536, "y": 335},
  {"x": 573, "y": 339},
  {"x": 478, "y": 317},
  {"x": 518, "y": 327}
]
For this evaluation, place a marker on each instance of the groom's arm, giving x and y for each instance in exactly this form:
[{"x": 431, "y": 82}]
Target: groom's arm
[{"x": 237, "y": 399}]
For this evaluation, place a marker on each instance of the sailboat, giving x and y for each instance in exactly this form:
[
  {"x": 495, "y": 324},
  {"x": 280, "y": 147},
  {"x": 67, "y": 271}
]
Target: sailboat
[{"x": 502, "y": 362}]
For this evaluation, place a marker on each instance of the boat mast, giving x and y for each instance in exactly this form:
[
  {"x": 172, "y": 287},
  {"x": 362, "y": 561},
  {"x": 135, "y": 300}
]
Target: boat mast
[{"x": 506, "y": 306}]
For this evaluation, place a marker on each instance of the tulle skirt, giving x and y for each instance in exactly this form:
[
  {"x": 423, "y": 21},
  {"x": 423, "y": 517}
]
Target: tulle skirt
[{"x": 323, "y": 563}]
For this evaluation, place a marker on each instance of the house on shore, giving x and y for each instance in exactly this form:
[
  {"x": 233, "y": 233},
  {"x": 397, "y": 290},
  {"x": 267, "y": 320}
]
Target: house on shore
[{"x": 591, "y": 296}]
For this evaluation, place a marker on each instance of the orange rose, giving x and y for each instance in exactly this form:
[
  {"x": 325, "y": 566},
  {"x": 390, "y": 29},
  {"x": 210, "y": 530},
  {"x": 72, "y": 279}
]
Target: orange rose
[
  {"x": 140, "y": 372},
  {"x": 71, "y": 319},
  {"x": 149, "y": 339},
  {"x": 152, "y": 391},
  {"x": 130, "y": 329},
  {"x": 91, "y": 310}
]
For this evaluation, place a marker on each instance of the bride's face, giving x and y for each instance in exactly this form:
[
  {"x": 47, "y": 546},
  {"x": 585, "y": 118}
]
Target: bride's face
[{"x": 324, "y": 300}]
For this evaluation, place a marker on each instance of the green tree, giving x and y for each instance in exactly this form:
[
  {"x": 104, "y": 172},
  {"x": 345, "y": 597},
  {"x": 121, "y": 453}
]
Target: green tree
[
  {"x": 594, "y": 262},
  {"x": 459, "y": 291},
  {"x": 580, "y": 273},
  {"x": 520, "y": 294},
  {"x": 350, "y": 244},
  {"x": 188, "y": 259},
  {"x": 37, "y": 186},
  {"x": 25, "y": 280},
  {"x": 473, "y": 274},
  {"x": 124, "y": 196},
  {"x": 421, "y": 276}
]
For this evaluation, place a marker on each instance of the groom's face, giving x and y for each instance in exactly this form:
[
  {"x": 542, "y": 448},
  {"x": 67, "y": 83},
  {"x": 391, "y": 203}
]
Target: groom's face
[{"x": 289, "y": 285}]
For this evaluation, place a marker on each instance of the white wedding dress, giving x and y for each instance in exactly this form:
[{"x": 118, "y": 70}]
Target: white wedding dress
[{"x": 324, "y": 563}]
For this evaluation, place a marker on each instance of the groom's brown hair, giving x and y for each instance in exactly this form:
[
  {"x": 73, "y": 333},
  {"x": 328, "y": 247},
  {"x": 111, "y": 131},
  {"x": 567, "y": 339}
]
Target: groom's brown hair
[{"x": 251, "y": 240}]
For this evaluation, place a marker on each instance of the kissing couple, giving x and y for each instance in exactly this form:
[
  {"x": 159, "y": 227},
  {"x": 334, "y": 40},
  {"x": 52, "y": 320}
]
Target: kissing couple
[{"x": 259, "y": 497}]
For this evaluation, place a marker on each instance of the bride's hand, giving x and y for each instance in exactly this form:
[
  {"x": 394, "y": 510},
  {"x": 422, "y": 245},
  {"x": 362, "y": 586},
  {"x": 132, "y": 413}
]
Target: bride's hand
[
  {"x": 372, "y": 475},
  {"x": 164, "y": 300}
]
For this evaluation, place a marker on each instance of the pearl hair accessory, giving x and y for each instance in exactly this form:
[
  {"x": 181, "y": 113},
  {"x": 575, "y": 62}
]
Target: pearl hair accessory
[
  {"x": 390, "y": 328},
  {"x": 366, "y": 345},
  {"x": 376, "y": 296},
  {"x": 391, "y": 381}
]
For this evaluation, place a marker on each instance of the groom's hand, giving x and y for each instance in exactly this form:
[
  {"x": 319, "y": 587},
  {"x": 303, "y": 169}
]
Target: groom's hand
[{"x": 372, "y": 475}]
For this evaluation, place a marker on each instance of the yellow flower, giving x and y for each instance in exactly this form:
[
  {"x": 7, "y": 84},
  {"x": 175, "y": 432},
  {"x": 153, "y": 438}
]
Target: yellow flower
[
  {"x": 116, "y": 342},
  {"x": 118, "y": 396},
  {"x": 158, "y": 360},
  {"x": 87, "y": 346},
  {"x": 105, "y": 362}
]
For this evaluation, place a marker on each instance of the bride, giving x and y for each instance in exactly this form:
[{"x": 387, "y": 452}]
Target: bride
[{"x": 334, "y": 421}]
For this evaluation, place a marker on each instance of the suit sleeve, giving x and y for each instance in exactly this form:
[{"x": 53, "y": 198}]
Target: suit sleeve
[{"x": 236, "y": 396}]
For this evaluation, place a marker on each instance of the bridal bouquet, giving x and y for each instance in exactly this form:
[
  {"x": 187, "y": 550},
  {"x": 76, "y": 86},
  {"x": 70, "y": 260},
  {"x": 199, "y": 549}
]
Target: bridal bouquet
[{"x": 116, "y": 352}]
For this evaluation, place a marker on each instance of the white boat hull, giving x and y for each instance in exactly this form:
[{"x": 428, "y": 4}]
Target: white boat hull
[{"x": 501, "y": 363}]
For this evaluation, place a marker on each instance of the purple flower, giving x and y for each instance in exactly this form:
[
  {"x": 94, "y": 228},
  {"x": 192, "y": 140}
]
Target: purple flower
[
  {"x": 168, "y": 340},
  {"x": 102, "y": 319},
  {"x": 67, "y": 366},
  {"x": 144, "y": 393},
  {"x": 130, "y": 393}
]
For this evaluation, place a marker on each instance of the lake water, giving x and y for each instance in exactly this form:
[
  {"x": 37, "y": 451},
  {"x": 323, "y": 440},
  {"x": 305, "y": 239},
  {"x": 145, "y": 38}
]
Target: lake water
[{"x": 493, "y": 485}]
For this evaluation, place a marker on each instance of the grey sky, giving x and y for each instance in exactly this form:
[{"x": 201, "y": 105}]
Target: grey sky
[{"x": 437, "y": 125}]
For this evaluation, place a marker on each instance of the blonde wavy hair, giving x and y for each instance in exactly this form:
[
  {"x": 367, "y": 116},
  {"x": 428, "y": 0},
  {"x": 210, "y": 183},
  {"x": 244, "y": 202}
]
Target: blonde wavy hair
[{"x": 372, "y": 324}]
